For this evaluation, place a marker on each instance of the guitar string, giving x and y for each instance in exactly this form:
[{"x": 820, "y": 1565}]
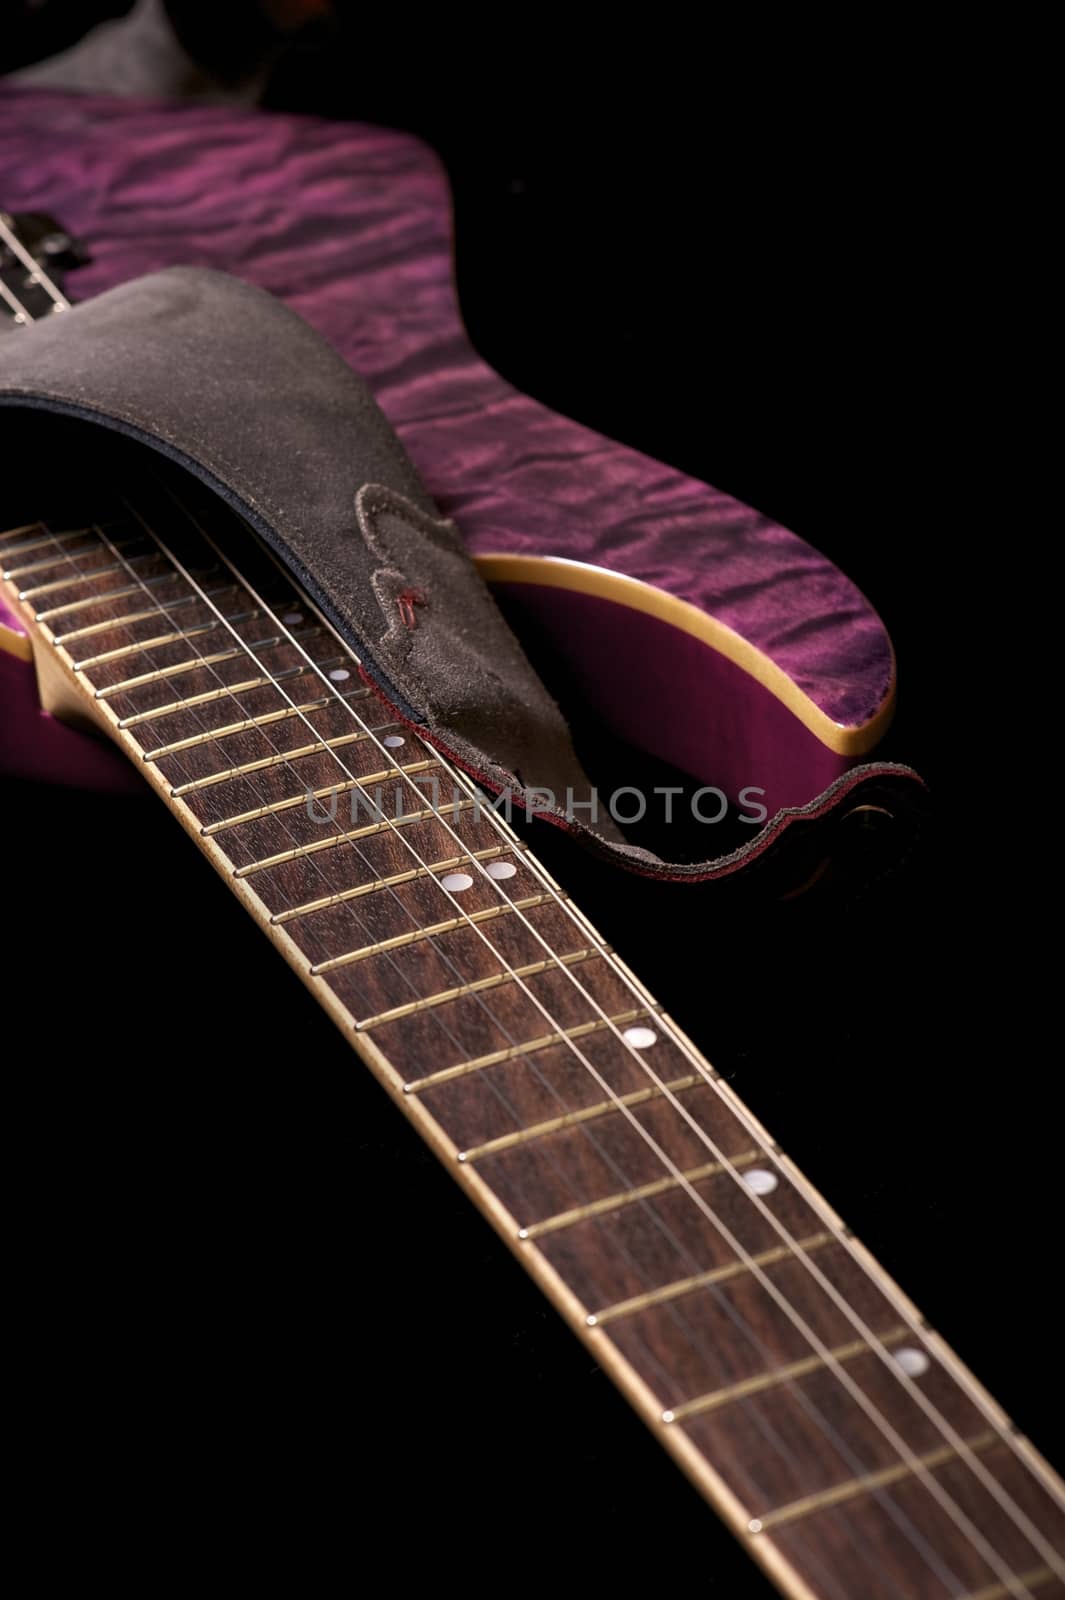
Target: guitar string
[
  {"x": 624, "y": 1182},
  {"x": 347, "y": 908},
  {"x": 857, "y": 1466},
  {"x": 738, "y": 1109},
  {"x": 36, "y": 274},
  {"x": 913, "y": 1535},
  {"x": 312, "y": 728},
  {"x": 844, "y": 1451},
  {"x": 853, "y": 1461},
  {"x": 314, "y": 667},
  {"x": 958, "y": 1444},
  {"x": 693, "y": 1335},
  {"x": 59, "y": 303},
  {"x": 164, "y": 611},
  {"x": 727, "y": 1165},
  {"x": 13, "y": 303}
]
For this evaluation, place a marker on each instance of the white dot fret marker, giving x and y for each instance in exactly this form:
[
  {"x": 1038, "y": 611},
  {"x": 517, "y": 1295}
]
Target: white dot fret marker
[
  {"x": 292, "y": 616},
  {"x": 640, "y": 1038},
  {"x": 912, "y": 1362},
  {"x": 759, "y": 1181},
  {"x": 393, "y": 741},
  {"x": 501, "y": 869},
  {"x": 457, "y": 881},
  {"x": 339, "y": 674}
]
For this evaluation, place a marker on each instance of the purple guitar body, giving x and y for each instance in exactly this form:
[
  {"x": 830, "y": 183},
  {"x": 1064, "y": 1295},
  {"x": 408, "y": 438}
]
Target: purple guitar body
[{"x": 691, "y": 625}]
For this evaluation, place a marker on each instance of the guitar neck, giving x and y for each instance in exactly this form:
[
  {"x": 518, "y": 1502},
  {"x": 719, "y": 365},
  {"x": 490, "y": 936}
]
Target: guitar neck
[{"x": 838, "y": 1436}]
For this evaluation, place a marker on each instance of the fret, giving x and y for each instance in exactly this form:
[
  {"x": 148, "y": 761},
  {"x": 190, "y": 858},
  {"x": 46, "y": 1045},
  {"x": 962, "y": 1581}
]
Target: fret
[
  {"x": 522, "y": 1093},
  {"x": 626, "y": 1173},
  {"x": 628, "y": 1197},
  {"x": 495, "y": 1058},
  {"x": 258, "y": 651},
  {"x": 861, "y": 1486},
  {"x": 345, "y": 786},
  {"x": 645, "y": 1134},
  {"x": 331, "y": 898},
  {"x": 103, "y": 597},
  {"x": 299, "y": 852},
  {"x": 126, "y": 684},
  {"x": 281, "y": 758},
  {"x": 87, "y": 663},
  {"x": 56, "y": 584},
  {"x": 55, "y": 543},
  {"x": 59, "y": 583},
  {"x": 702, "y": 1280},
  {"x": 199, "y": 621},
  {"x": 818, "y": 1324},
  {"x": 90, "y": 549},
  {"x": 768, "y": 1380},
  {"x": 265, "y": 722},
  {"x": 398, "y": 972},
  {"x": 333, "y": 936},
  {"x": 864, "y": 1534},
  {"x": 209, "y": 696},
  {"x": 9, "y": 574},
  {"x": 7, "y": 550},
  {"x": 151, "y": 614},
  {"x": 1034, "y": 1579},
  {"x": 220, "y": 743},
  {"x": 45, "y": 540},
  {"x": 416, "y": 935},
  {"x": 375, "y": 885},
  {"x": 199, "y": 679},
  {"x": 348, "y": 857},
  {"x": 265, "y": 719},
  {"x": 99, "y": 588},
  {"x": 240, "y": 626},
  {"x": 574, "y": 1119},
  {"x": 478, "y": 986},
  {"x": 607, "y": 1259},
  {"x": 504, "y": 1029},
  {"x": 824, "y": 1422},
  {"x": 325, "y": 787}
]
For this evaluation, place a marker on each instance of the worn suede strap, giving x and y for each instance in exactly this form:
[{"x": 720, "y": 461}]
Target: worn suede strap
[{"x": 225, "y": 380}]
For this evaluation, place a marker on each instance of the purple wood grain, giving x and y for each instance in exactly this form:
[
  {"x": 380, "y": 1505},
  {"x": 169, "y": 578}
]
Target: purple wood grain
[{"x": 352, "y": 226}]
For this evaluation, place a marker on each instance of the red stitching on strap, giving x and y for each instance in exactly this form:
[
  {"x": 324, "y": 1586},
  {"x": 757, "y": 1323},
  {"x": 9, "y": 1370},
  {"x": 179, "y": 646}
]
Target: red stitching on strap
[{"x": 407, "y": 602}]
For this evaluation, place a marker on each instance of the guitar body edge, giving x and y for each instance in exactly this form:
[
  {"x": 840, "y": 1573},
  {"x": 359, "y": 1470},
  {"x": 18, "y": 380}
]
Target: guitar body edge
[{"x": 661, "y": 674}]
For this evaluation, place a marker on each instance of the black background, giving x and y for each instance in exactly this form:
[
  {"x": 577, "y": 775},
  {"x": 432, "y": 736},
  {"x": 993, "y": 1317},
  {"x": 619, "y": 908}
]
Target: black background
[{"x": 251, "y": 1304}]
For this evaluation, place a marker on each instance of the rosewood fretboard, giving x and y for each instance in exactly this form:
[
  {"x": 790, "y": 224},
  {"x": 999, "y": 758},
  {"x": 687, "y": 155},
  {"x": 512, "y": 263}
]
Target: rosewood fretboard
[{"x": 840, "y": 1438}]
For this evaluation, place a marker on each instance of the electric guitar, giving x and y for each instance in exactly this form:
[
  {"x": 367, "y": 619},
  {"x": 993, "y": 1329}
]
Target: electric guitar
[{"x": 842, "y": 1441}]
